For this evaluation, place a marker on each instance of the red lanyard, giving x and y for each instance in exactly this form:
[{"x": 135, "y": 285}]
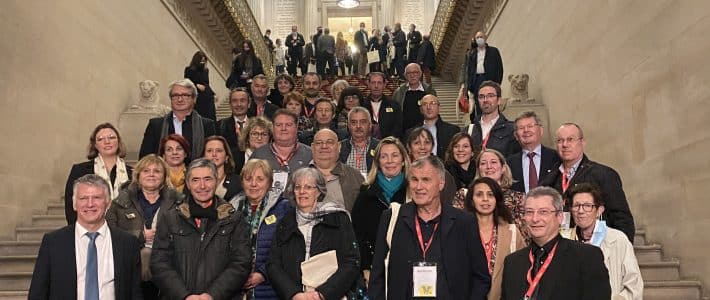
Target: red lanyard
[
  {"x": 565, "y": 182},
  {"x": 284, "y": 161},
  {"x": 359, "y": 155},
  {"x": 308, "y": 113},
  {"x": 534, "y": 282},
  {"x": 421, "y": 239},
  {"x": 485, "y": 141},
  {"x": 259, "y": 109}
]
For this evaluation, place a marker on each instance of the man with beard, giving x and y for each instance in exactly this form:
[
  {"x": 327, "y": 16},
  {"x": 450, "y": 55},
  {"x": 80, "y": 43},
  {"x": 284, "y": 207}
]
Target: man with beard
[
  {"x": 358, "y": 150},
  {"x": 311, "y": 89},
  {"x": 342, "y": 181},
  {"x": 386, "y": 114},
  {"x": 492, "y": 129},
  {"x": 295, "y": 42},
  {"x": 260, "y": 107}
]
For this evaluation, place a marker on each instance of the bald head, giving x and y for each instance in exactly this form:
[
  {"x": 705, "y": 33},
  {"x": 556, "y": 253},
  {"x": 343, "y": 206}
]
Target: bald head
[{"x": 326, "y": 149}]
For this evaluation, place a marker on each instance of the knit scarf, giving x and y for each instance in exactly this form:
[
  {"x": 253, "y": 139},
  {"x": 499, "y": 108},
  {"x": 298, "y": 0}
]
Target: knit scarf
[
  {"x": 389, "y": 186},
  {"x": 121, "y": 174},
  {"x": 306, "y": 221},
  {"x": 198, "y": 132}
]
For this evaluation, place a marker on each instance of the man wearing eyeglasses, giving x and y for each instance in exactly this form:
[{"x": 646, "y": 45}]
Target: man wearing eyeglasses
[
  {"x": 576, "y": 168},
  {"x": 359, "y": 150},
  {"x": 535, "y": 161},
  {"x": 409, "y": 95},
  {"x": 440, "y": 130},
  {"x": 182, "y": 120},
  {"x": 553, "y": 267},
  {"x": 492, "y": 130},
  {"x": 342, "y": 181}
]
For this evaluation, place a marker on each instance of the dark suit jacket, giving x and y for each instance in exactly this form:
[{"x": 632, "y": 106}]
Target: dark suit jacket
[
  {"x": 233, "y": 185},
  {"x": 576, "y": 272},
  {"x": 425, "y": 55},
  {"x": 444, "y": 132},
  {"x": 501, "y": 136},
  {"x": 399, "y": 40},
  {"x": 492, "y": 64},
  {"x": 294, "y": 45},
  {"x": 359, "y": 42},
  {"x": 549, "y": 159},
  {"x": 152, "y": 135},
  {"x": 346, "y": 148},
  {"x": 390, "y": 117},
  {"x": 463, "y": 262},
  {"x": 77, "y": 171},
  {"x": 617, "y": 213},
  {"x": 269, "y": 110},
  {"x": 226, "y": 128},
  {"x": 54, "y": 275}
]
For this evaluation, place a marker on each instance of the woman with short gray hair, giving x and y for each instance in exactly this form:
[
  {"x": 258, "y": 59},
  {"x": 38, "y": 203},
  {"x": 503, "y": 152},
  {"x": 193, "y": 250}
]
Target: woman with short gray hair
[{"x": 315, "y": 228}]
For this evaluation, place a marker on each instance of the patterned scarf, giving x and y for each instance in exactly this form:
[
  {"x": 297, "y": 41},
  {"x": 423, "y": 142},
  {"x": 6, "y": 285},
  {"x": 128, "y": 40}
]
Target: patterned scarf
[{"x": 121, "y": 174}]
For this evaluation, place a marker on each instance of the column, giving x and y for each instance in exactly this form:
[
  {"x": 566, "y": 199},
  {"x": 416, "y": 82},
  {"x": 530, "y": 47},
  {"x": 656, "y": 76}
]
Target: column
[{"x": 387, "y": 13}]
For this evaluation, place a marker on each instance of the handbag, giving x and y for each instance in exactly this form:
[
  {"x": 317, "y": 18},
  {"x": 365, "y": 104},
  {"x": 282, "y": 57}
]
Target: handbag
[
  {"x": 373, "y": 56},
  {"x": 464, "y": 105}
]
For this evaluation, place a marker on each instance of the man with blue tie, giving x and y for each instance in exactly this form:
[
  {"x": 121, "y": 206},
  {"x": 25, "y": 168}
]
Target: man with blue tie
[
  {"x": 535, "y": 161},
  {"x": 88, "y": 260}
]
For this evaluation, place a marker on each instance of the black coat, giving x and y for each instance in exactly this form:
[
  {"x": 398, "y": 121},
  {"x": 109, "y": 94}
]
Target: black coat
[
  {"x": 366, "y": 214},
  {"x": 205, "y": 99},
  {"x": 226, "y": 128},
  {"x": 444, "y": 133},
  {"x": 288, "y": 250},
  {"x": 269, "y": 110},
  {"x": 54, "y": 275},
  {"x": 187, "y": 260},
  {"x": 153, "y": 132},
  {"x": 549, "y": 159},
  {"x": 617, "y": 213},
  {"x": 233, "y": 185},
  {"x": 577, "y": 272},
  {"x": 294, "y": 45},
  {"x": 492, "y": 64},
  {"x": 425, "y": 55},
  {"x": 127, "y": 214},
  {"x": 501, "y": 136},
  {"x": 399, "y": 40},
  {"x": 77, "y": 171},
  {"x": 464, "y": 268},
  {"x": 359, "y": 40},
  {"x": 238, "y": 66},
  {"x": 346, "y": 147},
  {"x": 390, "y": 117}
]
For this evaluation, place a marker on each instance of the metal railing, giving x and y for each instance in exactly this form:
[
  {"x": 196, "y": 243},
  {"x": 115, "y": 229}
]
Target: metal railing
[{"x": 245, "y": 21}]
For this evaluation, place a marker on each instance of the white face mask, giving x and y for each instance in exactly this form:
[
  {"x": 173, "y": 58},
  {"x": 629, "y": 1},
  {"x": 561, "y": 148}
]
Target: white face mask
[{"x": 480, "y": 42}]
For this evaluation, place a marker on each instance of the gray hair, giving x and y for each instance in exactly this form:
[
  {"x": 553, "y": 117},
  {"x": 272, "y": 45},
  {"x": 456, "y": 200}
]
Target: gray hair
[
  {"x": 359, "y": 109},
  {"x": 529, "y": 114},
  {"x": 581, "y": 133},
  {"x": 91, "y": 180},
  {"x": 543, "y": 191},
  {"x": 337, "y": 83},
  {"x": 428, "y": 160},
  {"x": 186, "y": 83},
  {"x": 306, "y": 173},
  {"x": 201, "y": 163}
]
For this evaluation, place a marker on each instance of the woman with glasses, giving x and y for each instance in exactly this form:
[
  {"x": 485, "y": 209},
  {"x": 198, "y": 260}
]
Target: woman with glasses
[
  {"x": 262, "y": 208},
  {"x": 619, "y": 258},
  {"x": 492, "y": 164},
  {"x": 257, "y": 133},
  {"x": 175, "y": 151},
  {"x": 217, "y": 150},
  {"x": 460, "y": 164},
  {"x": 385, "y": 184},
  {"x": 106, "y": 153},
  {"x": 314, "y": 231},
  {"x": 499, "y": 235}
]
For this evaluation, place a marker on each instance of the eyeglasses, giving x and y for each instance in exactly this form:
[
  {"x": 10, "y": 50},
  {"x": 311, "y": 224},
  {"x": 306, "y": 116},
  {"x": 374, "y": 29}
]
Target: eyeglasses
[
  {"x": 487, "y": 96},
  {"x": 305, "y": 187},
  {"x": 256, "y": 134},
  {"x": 329, "y": 143},
  {"x": 569, "y": 140},
  {"x": 528, "y": 127},
  {"x": 100, "y": 139},
  {"x": 586, "y": 207},
  {"x": 540, "y": 212},
  {"x": 178, "y": 96}
]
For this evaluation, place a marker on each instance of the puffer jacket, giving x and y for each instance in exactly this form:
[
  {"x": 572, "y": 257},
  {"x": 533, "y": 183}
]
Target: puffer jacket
[
  {"x": 126, "y": 213},
  {"x": 276, "y": 208},
  {"x": 186, "y": 260}
]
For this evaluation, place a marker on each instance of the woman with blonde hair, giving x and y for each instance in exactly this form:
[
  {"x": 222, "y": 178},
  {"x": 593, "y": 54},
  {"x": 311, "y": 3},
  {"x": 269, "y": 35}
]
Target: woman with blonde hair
[{"x": 492, "y": 164}]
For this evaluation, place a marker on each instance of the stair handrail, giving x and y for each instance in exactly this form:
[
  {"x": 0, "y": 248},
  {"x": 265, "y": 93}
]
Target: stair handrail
[{"x": 243, "y": 16}]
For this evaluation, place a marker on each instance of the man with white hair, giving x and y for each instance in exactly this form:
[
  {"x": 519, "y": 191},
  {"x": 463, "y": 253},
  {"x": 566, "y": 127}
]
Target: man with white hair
[{"x": 409, "y": 94}]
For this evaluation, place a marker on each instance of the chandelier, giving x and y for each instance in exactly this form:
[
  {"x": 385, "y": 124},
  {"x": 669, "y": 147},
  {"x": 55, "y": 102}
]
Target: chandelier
[{"x": 348, "y": 3}]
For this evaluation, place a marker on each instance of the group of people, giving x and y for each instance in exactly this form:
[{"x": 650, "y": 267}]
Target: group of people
[{"x": 296, "y": 196}]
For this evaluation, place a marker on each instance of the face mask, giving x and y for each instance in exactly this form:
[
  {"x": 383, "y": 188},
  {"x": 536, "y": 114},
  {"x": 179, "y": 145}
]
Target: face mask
[{"x": 481, "y": 42}]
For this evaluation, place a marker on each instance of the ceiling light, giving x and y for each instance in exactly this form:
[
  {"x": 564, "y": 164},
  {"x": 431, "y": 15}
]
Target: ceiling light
[{"x": 348, "y": 3}]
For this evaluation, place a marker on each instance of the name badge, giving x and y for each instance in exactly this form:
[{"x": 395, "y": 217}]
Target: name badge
[
  {"x": 280, "y": 180},
  {"x": 424, "y": 278},
  {"x": 130, "y": 216},
  {"x": 389, "y": 109},
  {"x": 270, "y": 219}
]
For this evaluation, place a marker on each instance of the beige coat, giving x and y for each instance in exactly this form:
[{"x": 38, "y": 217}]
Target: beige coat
[
  {"x": 620, "y": 259},
  {"x": 509, "y": 241}
]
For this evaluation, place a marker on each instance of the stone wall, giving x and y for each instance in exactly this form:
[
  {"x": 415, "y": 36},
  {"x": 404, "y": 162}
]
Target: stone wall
[
  {"x": 67, "y": 66},
  {"x": 634, "y": 75}
]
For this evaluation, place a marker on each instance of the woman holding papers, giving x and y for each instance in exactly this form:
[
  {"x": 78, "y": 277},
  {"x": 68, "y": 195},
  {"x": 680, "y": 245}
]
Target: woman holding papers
[{"x": 314, "y": 254}]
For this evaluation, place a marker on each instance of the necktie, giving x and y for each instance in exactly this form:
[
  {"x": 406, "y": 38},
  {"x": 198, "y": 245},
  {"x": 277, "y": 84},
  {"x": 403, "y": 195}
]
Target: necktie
[
  {"x": 239, "y": 127},
  {"x": 532, "y": 172},
  {"x": 91, "y": 279}
]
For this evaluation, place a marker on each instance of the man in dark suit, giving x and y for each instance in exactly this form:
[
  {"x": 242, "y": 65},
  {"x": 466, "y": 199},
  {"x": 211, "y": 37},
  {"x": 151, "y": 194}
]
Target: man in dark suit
[
  {"x": 358, "y": 150},
  {"x": 492, "y": 130},
  {"x": 182, "y": 120},
  {"x": 531, "y": 165},
  {"x": 426, "y": 58},
  {"x": 386, "y": 114},
  {"x": 326, "y": 47},
  {"x": 361, "y": 41},
  {"x": 576, "y": 168},
  {"x": 414, "y": 40},
  {"x": 260, "y": 107},
  {"x": 474, "y": 72},
  {"x": 428, "y": 233},
  {"x": 399, "y": 40},
  {"x": 230, "y": 127},
  {"x": 295, "y": 42},
  {"x": 107, "y": 264},
  {"x": 442, "y": 131},
  {"x": 553, "y": 267}
]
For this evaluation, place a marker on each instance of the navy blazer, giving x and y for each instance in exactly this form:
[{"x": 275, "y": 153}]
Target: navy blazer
[
  {"x": 54, "y": 275},
  {"x": 549, "y": 159},
  {"x": 390, "y": 117}
]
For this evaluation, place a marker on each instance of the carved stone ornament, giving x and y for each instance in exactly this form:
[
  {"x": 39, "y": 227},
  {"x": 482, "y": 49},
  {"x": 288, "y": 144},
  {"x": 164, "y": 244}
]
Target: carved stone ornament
[
  {"x": 519, "y": 88},
  {"x": 149, "y": 100}
]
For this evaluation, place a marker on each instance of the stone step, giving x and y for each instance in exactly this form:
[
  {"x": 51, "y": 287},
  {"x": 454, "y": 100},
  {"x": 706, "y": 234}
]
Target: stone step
[
  {"x": 19, "y": 248},
  {"x": 664, "y": 290},
  {"x": 13, "y": 295},
  {"x": 34, "y": 233},
  {"x": 648, "y": 253},
  {"x": 15, "y": 281},
  {"x": 49, "y": 220},
  {"x": 55, "y": 208},
  {"x": 660, "y": 270},
  {"x": 17, "y": 263},
  {"x": 640, "y": 237}
]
